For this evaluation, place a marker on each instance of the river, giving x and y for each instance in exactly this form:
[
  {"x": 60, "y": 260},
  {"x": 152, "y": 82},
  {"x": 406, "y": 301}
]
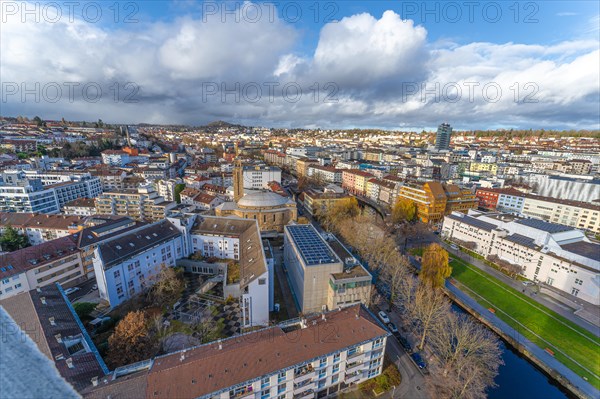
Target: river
[{"x": 520, "y": 379}]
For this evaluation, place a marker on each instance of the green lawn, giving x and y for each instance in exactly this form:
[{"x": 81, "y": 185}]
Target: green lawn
[{"x": 513, "y": 307}]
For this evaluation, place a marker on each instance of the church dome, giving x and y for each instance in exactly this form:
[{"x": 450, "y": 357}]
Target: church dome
[{"x": 262, "y": 199}]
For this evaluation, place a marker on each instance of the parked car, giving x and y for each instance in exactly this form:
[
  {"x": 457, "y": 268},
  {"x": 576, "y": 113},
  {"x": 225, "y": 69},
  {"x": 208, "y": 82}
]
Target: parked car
[
  {"x": 392, "y": 328},
  {"x": 404, "y": 343},
  {"x": 454, "y": 247},
  {"x": 384, "y": 317},
  {"x": 95, "y": 287},
  {"x": 419, "y": 360},
  {"x": 528, "y": 283},
  {"x": 72, "y": 290}
]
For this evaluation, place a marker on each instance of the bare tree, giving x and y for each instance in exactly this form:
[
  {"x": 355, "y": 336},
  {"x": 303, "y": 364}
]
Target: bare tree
[
  {"x": 430, "y": 307},
  {"x": 470, "y": 356}
]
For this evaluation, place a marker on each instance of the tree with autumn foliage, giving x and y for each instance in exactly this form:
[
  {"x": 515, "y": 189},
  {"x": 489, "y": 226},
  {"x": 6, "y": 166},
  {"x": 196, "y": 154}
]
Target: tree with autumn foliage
[
  {"x": 435, "y": 268},
  {"x": 404, "y": 210},
  {"x": 131, "y": 341}
]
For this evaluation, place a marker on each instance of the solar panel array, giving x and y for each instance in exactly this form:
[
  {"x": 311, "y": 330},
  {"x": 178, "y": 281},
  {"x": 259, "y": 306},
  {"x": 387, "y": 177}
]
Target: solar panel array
[
  {"x": 545, "y": 226},
  {"x": 312, "y": 247}
]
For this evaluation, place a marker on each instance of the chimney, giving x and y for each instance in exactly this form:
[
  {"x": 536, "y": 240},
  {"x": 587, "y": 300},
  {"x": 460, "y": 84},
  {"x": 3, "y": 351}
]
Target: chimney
[
  {"x": 303, "y": 323},
  {"x": 182, "y": 356},
  {"x": 43, "y": 299},
  {"x": 95, "y": 381},
  {"x": 70, "y": 363},
  {"x": 58, "y": 338},
  {"x": 220, "y": 344},
  {"x": 52, "y": 322}
]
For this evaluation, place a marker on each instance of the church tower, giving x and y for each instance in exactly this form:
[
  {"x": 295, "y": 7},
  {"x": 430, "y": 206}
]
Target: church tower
[{"x": 238, "y": 181}]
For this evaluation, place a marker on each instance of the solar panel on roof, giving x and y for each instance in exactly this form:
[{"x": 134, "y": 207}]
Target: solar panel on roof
[{"x": 313, "y": 249}]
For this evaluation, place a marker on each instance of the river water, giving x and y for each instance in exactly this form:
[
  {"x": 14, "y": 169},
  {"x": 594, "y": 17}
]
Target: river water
[{"x": 520, "y": 379}]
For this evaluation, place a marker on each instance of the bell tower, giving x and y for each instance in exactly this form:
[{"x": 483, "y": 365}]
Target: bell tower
[{"x": 238, "y": 181}]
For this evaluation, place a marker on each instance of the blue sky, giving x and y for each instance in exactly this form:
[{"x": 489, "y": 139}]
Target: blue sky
[{"x": 389, "y": 64}]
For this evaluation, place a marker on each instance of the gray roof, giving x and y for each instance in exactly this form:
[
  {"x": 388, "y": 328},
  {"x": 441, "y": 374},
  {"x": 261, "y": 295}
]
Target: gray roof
[
  {"x": 522, "y": 240},
  {"x": 312, "y": 247},
  {"x": 544, "y": 226},
  {"x": 480, "y": 224},
  {"x": 586, "y": 249},
  {"x": 125, "y": 246}
]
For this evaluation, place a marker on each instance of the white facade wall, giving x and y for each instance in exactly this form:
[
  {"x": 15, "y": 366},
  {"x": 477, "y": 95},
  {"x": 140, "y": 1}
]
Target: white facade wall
[
  {"x": 351, "y": 366},
  {"x": 538, "y": 265},
  {"x": 128, "y": 278},
  {"x": 510, "y": 203}
]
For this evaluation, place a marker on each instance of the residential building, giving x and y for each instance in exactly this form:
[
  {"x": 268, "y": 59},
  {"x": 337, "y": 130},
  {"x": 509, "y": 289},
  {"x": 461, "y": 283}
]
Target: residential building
[
  {"x": 558, "y": 256},
  {"x": 442, "y": 138},
  {"x": 238, "y": 240},
  {"x": 80, "y": 207},
  {"x": 101, "y": 228},
  {"x": 259, "y": 177},
  {"x": 355, "y": 181},
  {"x": 284, "y": 361},
  {"x": 302, "y": 165},
  {"x": 166, "y": 188},
  {"x": 116, "y": 157},
  {"x": 318, "y": 203},
  {"x": 19, "y": 193},
  {"x": 142, "y": 204},
  {"x": 310, "y": 263},
  {"x": 127, "y": 264},
  {"x": 327, "y": 174},
  {"x": 55, "y": 261},
  {"x": 39, "y": 227}
]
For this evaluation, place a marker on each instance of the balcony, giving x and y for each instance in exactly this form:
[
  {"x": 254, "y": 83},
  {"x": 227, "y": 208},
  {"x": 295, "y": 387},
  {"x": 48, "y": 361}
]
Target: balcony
[
  {"x": 303, "y": 371},
  {"x": 352, "y": 378},
  {"x": 354, "y": 367},
  {"x": 310, "y": 393}
]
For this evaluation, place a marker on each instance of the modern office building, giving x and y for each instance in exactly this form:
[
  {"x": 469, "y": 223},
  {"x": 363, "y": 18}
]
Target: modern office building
[
  {"x": 310, "y": 263},
  {"x": 552, "y": 254},
  {"x": 442, "y": 137},
  {"x": 284, "y": 361}
]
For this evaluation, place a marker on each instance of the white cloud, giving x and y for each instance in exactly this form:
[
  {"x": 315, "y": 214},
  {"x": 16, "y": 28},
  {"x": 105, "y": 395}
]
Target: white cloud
[{"x": 375, "y": 65}]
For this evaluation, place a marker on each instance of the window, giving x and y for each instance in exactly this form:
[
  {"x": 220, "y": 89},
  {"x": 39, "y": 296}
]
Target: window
[
  {"x": 117, "y": 273},
  {"x": 262, "y": 281},
  {"x": 574, "y": 291},
  {"x": 336, "y": 358},
  {"x": 5, "y": 281},
  {"x": 17, "y": 286},
  {"x": 335, "y": 378}
]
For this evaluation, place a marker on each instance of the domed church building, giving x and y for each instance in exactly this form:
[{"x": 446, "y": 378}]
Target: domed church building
[{"x": 271, "y": 210}]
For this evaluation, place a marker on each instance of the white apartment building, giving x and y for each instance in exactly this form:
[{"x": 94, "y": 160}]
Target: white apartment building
[
  {"x": 166, "y": 188},
  {"x": 258, "y": 177},
  {"x": 325, "y": 173},
  {"x": 283, "y": 362},
  {"x": 553, "y": 254},
  {"x": 127, "y": 264},
  {"x": 240, "y": 240},
  {"x": 19, "y": 193},
  {"x": 56, "y": 261},
  {"x": 115, "y": 158}
]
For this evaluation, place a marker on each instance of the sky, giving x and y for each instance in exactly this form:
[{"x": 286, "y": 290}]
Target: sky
[{"x": 405, "y": 65}]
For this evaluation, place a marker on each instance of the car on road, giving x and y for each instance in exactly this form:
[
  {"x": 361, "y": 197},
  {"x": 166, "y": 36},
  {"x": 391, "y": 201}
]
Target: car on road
[
  {"x": 403, "y": 342},
  {"x": 72, "y": 290},
  {"x": 392, "y": 328},
  {"x": 418, "y": 359},
  {"x": 384, "y": 317},
  {"x": 454, "y": 247},
  {"x": 528, "y": 283},
  {"x": 94, "y": 287}
]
